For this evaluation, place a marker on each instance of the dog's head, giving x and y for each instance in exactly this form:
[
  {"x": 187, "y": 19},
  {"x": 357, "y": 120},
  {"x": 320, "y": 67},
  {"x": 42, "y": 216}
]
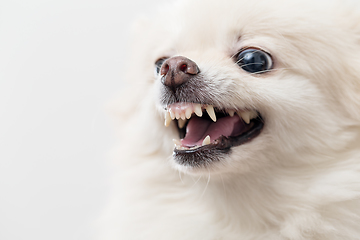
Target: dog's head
[{"x": 241, "y": 85}]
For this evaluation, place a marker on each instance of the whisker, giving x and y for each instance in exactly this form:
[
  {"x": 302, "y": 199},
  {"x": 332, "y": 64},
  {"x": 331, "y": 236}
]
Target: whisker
[
  {"x": 222, "y": 180},
  {"x": 271, "y": 70},
  {"x": 223, "y": 183},
  {"x": 180, "y": 176},
  {"x": 232, "y": 56},
  {"x": 206, "y": 186},
  {"x": 195, "y": 182}
]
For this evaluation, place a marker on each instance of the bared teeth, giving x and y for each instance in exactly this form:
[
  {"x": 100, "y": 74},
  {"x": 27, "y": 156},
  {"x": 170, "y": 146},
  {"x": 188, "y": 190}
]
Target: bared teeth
[
  {"x": 211, "y": 112},
  {"x": 181, "y": 123},
  {"x": 167, "y": 119},
  {"x": 198, "y": 110},
  {"x": 183, "y": 111},
  {"x": 182, "y": 116},
  {"x": 231, "y": 113},
  {"x": 172, "y": 114},
  {"x": 206, "y": 141},
  {"x": 245, "y": 116},
  {"x": 188, "y": 113}
]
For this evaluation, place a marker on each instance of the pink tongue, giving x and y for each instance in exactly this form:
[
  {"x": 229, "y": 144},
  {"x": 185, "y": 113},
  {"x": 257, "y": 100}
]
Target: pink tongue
[{"x": 198, "y": 128}]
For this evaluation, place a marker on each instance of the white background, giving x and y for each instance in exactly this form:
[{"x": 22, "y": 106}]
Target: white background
[{"x": 60, "y": 62}]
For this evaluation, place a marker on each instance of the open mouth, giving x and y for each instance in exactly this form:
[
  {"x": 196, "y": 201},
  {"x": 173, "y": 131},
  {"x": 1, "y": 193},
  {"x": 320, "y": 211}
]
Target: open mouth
[{"x": 206, "y": 131}]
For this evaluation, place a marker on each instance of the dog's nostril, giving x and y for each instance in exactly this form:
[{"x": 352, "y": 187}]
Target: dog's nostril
[
  {"x": 177, "y": 70},
  {"x": 183, "y": 68},
  {"x": 191, "y": 69},
  {"x": 164, "y": 69}
]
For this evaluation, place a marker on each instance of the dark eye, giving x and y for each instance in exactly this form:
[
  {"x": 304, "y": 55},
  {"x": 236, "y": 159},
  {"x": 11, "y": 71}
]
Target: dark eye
[
  {"x": 254, "y": 60},
  {"x": 158, "y": 65}
]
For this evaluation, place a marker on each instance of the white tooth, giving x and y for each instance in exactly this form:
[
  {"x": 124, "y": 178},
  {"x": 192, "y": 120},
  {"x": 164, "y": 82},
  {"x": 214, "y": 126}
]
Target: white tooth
[
  {"x": 206, "y": 140},
  {"x": 177, "y": 115},
  {"x": 167, "y": 119},
  {"x": 211, "y": 112},
  {"x": 245, "y": 116},
  {"x": 231, "y": 113},
  {"x": 253, "y": 114},
  {"x": 172, "y": 114},
  {"x": 197, "y": 110},
  {"x": 181, "y": 123},
  {"x": 182, "y": 116},
  {"x": 188, "y": 113}
]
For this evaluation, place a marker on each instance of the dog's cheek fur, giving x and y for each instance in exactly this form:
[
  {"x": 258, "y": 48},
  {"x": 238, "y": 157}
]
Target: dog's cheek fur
[{"x": 330, "y": 64}]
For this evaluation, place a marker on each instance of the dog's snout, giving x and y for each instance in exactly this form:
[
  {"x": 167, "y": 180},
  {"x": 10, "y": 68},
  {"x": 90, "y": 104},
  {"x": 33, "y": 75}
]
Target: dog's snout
[{"x": 177, "y": 70}]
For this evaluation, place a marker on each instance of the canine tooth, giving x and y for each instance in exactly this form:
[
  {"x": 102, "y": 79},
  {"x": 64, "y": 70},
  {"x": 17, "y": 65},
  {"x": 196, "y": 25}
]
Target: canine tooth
[
  {"x": 172, "y": 114},
  {"x": 245, "y": 116},
  {"x": 197, "y": 110},
  {"x": 211, "y": 112},
  {"x": 188, "y": 113},
  {"x": 167, "y": 119},
  {"x": 231, "y": 113},
  {"x": 206, "y": 140},
  {"x": 181, "y": 123}
]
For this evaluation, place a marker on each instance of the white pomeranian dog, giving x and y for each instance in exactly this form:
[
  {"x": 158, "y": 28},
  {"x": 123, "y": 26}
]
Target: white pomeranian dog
[{"x": 241, "y": 121}]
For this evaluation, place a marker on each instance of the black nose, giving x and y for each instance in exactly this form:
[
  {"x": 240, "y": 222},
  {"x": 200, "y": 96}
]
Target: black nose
[{"x": 177, "y": 70}]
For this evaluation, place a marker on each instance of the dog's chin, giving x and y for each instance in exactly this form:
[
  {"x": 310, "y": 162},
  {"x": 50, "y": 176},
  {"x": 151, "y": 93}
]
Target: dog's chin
[{"x": 236, "y": 160}]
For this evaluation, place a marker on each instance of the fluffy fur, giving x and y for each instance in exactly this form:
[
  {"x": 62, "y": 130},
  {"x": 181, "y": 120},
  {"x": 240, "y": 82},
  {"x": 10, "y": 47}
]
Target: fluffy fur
[{"x": 299, "y": 179}]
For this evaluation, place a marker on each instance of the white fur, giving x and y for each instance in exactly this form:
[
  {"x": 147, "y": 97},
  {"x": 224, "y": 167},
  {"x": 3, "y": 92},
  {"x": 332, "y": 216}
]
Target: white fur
[{"x": 299, "y": 179}]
